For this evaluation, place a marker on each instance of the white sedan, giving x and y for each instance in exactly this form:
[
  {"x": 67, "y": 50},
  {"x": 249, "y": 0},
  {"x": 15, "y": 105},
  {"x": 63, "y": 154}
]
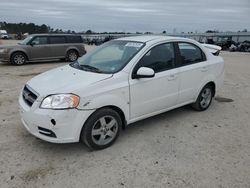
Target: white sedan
[{"x": 118, "y": 83}]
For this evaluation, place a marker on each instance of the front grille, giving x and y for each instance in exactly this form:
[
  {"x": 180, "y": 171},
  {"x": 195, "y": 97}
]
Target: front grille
[
  {"x": 46, "y": 132},
  {"x": 28, "y": 96}
]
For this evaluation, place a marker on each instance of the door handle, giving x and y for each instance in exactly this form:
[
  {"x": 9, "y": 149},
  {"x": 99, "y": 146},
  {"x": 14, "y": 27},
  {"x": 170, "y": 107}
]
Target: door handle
[
  {"x": 204, "y": 69},
  {"x": 172, "y": 77}
]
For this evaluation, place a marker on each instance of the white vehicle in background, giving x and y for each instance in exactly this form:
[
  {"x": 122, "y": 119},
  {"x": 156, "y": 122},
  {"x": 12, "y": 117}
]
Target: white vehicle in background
[
  {"x": 4, "y": 34},
  {"x": 118, "y": 83}
]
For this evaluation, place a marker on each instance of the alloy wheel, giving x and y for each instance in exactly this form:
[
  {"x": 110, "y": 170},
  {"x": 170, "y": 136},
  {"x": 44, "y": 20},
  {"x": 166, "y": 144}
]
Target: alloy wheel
[
  {"x": 104, "y": 130},
  {"x": 206, "y": 97},
  {"x": 72, "y": 56},
  {"x": 19, "y": 59}
]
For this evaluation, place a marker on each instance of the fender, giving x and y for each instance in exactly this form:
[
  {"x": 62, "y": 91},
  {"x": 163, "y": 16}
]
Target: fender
[
  {"x": 18, "y": 50},
  {"x": 106, "y": 100},
  {"x": 205, "y": 81}
]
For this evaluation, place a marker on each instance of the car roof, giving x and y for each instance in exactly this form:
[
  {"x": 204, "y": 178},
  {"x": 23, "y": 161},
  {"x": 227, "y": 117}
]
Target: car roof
[
  {"x": 147, "y": 38},
  {"x": 54, "y": 34}
]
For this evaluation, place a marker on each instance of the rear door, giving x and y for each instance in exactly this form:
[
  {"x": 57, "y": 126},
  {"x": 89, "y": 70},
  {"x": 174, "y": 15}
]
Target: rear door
[
  {"x": 76, "y": 42},
  {"x": 193, "y": 68},
  {"x": 58, "y": 46},
  {"x": 39, "y": 48}
]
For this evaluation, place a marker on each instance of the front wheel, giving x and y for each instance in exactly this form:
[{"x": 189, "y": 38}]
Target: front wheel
[
  {"x": 18, "y": 58},
  {"x": 204, "y": 99},
  {"x": 101, "y": 129}
]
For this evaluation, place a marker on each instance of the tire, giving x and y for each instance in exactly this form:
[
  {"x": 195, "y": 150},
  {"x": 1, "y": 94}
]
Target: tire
[
  {"x": 101, "y": 129},
  {"x": 204, "y": 99},
  {"x": 72, "y": 55},
  {"x": 18, "y": 58}
]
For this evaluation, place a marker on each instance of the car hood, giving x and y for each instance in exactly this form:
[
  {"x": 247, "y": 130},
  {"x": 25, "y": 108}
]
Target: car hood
[
  {"x": 64, "y": 79},
  {"x": 10, "y": 46}
]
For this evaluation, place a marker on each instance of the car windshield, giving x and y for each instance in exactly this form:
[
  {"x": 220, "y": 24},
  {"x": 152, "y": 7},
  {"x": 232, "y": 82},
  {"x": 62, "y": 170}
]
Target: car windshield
[
  {"x": 110, "y": 57},
  {"x": 25, "y": 41}
]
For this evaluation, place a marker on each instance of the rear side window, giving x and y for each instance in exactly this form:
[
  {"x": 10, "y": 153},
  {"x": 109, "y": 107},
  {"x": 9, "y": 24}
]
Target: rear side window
[
  {"x": 190, "y": 53},
  {"x": 40, "y": 40},
  {"x": 74, "y": 39},
  {"x": 57, "y": 40},
  {"x": 159, "y": 58}
]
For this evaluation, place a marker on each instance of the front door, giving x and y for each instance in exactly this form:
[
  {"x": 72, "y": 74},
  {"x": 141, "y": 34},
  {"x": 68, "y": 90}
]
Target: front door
[
  {"x": 151, "y": 95},
  {"x": 39, "y": 48}
]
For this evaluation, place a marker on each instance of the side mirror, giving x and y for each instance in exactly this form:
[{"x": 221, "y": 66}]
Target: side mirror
[
  {"x": 32, "y": 43},
  {"x": 144, "y": 72}
]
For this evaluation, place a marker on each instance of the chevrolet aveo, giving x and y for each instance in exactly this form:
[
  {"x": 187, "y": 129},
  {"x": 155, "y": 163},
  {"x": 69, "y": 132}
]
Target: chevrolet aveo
[{"x": 118, "y": 83}]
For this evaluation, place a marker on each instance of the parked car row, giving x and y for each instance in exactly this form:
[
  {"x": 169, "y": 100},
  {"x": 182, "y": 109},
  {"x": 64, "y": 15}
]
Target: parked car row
[
  {"x": 41, "y": 47},
  {"x": 226, "y": 43},
  {"x": 240, "y": 47},
  {"x": 98, "y": 40},
  {"x": 223, "y": 41}
]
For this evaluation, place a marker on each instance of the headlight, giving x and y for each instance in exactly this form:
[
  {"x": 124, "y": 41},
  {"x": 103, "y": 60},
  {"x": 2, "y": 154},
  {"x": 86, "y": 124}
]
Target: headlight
[
  {"x": 60, "y": 101},
  {"x": 3, "y": 50}
]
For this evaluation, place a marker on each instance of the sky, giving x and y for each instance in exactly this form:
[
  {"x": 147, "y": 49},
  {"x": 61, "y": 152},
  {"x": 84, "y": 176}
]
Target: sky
[{"x": 131, "y": 15}]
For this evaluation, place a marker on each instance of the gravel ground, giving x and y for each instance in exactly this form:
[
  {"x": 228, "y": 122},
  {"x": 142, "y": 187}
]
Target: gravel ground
[{"x": 180, "y": 148}]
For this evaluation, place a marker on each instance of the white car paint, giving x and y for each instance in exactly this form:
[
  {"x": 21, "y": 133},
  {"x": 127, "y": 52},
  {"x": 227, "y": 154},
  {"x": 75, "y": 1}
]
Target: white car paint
[{"x": 136, "y": 98}]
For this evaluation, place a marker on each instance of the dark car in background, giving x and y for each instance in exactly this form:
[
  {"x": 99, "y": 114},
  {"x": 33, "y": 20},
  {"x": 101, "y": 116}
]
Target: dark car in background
[
  {"x": 224, "y": 42},
  {"x": 40, "y": 47}
]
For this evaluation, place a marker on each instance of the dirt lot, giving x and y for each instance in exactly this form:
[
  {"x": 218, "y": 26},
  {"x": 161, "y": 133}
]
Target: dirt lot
[{"x": 180, "y": 148}]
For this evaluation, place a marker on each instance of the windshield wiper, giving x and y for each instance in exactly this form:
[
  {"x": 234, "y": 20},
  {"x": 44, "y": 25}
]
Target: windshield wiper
[
  {"x": 77, "y": 65},
  {"x": 90, "y": 68}
]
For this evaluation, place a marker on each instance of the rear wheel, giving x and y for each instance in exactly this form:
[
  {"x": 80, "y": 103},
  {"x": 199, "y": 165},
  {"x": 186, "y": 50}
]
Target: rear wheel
[
  {"x": 204, "y": 99},
  {"x": 18, "y": 58},
  {"x": 101, "y": 129},
  {"x": 72, "y": 55}
]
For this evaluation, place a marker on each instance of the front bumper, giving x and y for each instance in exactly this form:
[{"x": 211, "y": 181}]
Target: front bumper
[
  {"x": 67, "y": 127},
  {"x": 4, "y": 57}
]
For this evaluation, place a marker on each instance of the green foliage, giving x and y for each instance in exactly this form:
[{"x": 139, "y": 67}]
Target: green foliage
[{"x": 24, "y": 28}]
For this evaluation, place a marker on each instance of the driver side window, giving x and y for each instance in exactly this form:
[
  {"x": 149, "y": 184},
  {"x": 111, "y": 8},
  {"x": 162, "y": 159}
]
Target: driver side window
[
  {"x": 40, "y": 41},
  {"x": 159, "y": 58}
]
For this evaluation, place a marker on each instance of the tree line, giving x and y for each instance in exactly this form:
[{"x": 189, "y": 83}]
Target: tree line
[
  {"x": 31, "y": 28},
  {"x": 24, "y": 28}
]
